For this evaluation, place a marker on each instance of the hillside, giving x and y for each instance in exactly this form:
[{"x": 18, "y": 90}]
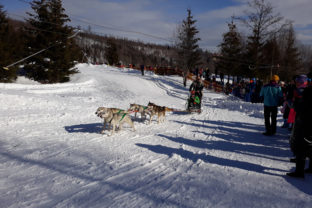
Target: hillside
[{"x": 52, "y": 154}]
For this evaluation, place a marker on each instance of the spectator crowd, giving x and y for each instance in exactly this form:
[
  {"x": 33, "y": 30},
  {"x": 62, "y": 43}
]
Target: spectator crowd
[{"x": 295, "y": 102}]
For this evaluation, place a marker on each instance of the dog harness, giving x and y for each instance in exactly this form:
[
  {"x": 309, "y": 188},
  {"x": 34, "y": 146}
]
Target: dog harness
[
  {"x": 144, "y": 107},
  {"x": 124, "y": 114}
]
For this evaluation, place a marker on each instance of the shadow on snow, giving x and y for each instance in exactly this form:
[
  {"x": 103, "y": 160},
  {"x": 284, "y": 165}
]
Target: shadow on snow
[
  {"x": 85, "y": 128},
  {"x": 208, "y": 158},
  {"x": 238, "y": 137}
]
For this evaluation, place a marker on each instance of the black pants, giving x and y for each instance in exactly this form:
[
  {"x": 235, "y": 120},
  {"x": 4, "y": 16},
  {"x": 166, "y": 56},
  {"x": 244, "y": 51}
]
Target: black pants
[{"x": 270, "y": 114}]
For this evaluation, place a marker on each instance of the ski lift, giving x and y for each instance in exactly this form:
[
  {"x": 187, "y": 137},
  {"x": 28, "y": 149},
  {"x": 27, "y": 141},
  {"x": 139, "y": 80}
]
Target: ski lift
[{"x": 56, "y": 43}]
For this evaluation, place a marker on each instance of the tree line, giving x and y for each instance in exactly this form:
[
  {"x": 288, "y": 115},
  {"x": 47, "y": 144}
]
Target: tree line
[
  {"x": 52, "y": 48},
  {"x": 269, "y": 48}
]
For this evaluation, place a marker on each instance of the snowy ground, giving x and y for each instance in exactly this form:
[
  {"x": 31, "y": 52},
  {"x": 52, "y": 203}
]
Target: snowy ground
[{"x": 52, "y": 154}]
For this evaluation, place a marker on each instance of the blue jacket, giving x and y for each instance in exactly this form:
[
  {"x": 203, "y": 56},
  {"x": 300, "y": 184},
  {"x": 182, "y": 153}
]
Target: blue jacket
[{"x": 271, "y": 93}]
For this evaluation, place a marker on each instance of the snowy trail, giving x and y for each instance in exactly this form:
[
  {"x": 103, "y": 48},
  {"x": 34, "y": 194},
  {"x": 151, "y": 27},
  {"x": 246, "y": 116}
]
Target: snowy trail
[{"x": 52, "y": 155}]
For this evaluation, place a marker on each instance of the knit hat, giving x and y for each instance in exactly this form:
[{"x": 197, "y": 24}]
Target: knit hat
[
  {"x": 275, "y": 78},
  {"x": 301, "y": 81}
]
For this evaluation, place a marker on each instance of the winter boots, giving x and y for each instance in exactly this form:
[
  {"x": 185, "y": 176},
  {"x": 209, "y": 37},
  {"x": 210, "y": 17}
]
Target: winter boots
[
  {"x": 299, "y": 172},
  {"x": 296, "y": 174}
]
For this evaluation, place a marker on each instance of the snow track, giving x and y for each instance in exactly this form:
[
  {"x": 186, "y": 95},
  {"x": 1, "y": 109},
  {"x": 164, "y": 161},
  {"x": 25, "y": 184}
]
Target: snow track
[{"x": 52, "y": 154}]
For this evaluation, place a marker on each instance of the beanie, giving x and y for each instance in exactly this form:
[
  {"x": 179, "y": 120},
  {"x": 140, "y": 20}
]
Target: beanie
[
  {"x": 301, "y": 79},
  {"x": 275, "y": 78}
]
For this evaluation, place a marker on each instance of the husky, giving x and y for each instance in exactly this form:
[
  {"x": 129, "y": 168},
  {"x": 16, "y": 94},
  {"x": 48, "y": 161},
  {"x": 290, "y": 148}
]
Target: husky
[
  {"x": 143, "y": 110},
  {"x": 107, "y": 114},
  {"x": 119, "y": 119},
  {"x": 160, "y": 111}
]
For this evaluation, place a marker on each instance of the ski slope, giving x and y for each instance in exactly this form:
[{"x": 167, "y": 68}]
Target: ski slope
[{"x": 52, "y": 154}]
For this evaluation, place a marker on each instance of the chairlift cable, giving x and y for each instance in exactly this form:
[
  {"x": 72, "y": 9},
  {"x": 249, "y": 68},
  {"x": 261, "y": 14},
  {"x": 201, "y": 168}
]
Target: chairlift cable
[{"x": 42, "y": 50}]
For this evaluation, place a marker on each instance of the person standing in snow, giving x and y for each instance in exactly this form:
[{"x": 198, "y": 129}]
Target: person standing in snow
[
  {"x": 297, "y": 100},
  {"x": 249, "y": 87},
  {"x": 289, "y": 102},
  {"x": 258, "y": 87},
  {"x": 142, "y": 69},
  {"x": 222, "y": 78},
  {"x": 207, "y": 75},
  {"x": 285, "y": 105},
  {"x": 228, "y": 88},
  {"x": 272, "y": 94},
  {"x": 301, "y": 138}
]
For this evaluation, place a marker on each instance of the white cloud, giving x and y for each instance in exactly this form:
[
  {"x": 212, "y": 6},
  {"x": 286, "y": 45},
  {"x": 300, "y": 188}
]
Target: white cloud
[
  {"x": 142, "y": 16},
  {"x": 132, "y": 16},
  {"x": 222, "y": 14},
  {"x": 298, "y": 11}
]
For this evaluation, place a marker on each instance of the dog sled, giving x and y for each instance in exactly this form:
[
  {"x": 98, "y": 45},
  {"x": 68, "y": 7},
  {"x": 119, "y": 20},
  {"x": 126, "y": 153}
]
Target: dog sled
[{"x": 193, "y": 103}]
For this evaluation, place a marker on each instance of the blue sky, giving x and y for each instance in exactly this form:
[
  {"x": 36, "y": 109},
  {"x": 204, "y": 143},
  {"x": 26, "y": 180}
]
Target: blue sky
[{"x": 157, "y": 20}]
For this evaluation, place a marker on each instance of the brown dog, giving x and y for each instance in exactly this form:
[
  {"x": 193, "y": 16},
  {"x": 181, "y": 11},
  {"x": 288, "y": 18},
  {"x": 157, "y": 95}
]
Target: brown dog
[
  {"x": 143, "y": 110},
  {"x": 160, "y": 111}
]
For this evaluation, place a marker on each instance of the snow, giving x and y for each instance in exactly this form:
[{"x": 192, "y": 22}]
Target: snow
[{"x": 52, "y": 154}]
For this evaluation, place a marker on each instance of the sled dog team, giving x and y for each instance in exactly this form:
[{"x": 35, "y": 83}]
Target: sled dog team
[{"x": 116, "y": 117}]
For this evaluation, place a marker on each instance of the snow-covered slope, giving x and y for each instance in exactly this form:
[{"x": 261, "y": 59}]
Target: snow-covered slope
[{"x": 52, "y": 154}]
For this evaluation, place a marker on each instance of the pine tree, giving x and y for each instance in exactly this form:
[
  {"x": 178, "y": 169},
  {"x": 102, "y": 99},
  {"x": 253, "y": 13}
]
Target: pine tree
[
  {"x": 188, "y": 49},
  {"x": 111, "y": 52},
  {"x": 6, "y": 49},
  {"x": 230, "y": 61},
  {"x": 49, "y": 31}
]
